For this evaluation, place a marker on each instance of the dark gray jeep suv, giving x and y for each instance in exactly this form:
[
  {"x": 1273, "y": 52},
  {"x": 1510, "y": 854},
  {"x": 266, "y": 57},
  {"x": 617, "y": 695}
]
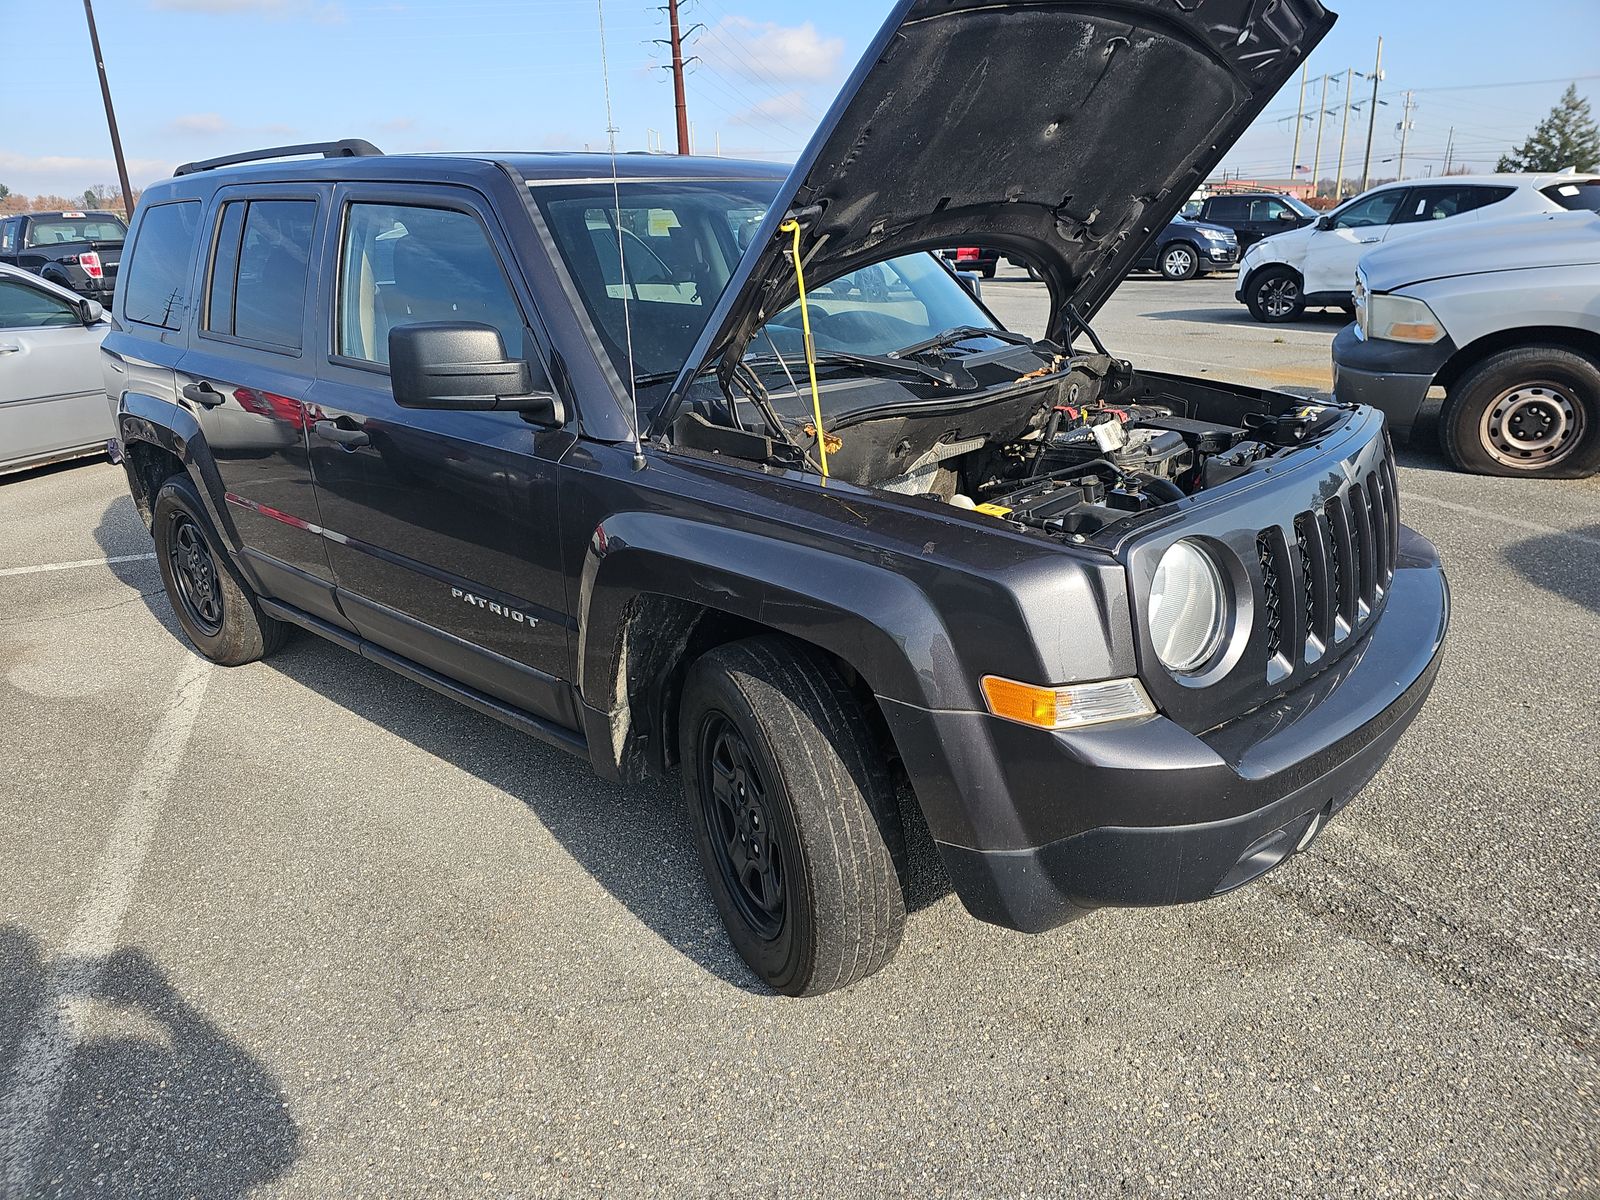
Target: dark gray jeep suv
[{"x": 688, "y": 464}]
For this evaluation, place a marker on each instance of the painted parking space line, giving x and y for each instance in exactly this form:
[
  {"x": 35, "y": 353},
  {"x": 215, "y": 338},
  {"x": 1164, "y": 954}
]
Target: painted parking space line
[
  {"x": 51, "y": 1036},
  {"x": 1583, "y": 539},
  {"x": 74, "y": 565}
]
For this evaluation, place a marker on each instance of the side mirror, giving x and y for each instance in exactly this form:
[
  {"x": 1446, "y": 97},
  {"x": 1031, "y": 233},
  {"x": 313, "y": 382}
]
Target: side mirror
[
  {"x": 462, "y": 366},
  {"x": 1324, "y": 223},
  {"x": 969, "y": 280},
  {"x": 1285, "y": 215},
  {"x": 90, "y": 311}
]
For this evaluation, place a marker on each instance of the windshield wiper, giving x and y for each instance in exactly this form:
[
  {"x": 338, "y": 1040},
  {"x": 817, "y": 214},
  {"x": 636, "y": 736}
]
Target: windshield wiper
[
  {"x": 876, "y": 363},
  {"x": 960, "y": 333}
]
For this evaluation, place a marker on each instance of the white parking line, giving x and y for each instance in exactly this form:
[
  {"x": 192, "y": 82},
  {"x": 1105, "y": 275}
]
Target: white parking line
[
  {"x": 1473, "y": 511},
  {"x": 44, "y": 1055},
  {"x": 82, "y": 562}
]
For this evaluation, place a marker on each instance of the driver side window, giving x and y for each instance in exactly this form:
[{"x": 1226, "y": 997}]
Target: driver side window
[
  {"x": 1377, "y": 209},
  {"x": 24, "y": 307}
]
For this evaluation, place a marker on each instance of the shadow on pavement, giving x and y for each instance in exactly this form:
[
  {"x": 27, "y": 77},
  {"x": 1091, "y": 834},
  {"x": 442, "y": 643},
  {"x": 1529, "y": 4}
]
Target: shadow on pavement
[
  {"x": 1329, "y": 321},
  {"x": 634, "y": 841},
  {"x": 166, "y": 1105},
  {"x": 1549, "y": 561}
]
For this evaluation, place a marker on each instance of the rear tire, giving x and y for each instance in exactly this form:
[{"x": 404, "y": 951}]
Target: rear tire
[
  {"x": 1274, "y": 295},
  {"x": 1179, "y": 261},
  {"x": 214, "y": 605},
  {"x": 1528, "y": 411},
  {"x": 794, "y": 815}
]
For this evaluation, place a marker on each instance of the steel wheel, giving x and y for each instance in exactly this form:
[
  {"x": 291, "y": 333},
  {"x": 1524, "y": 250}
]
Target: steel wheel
[
  {"x": 1532, "y": 426},
  {"x": 195, "y": 573},
  {"x": 736, "y": 801}
]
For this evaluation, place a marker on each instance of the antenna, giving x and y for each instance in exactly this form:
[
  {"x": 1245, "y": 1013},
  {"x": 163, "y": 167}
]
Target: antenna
[{"x": 622, "y": 258}]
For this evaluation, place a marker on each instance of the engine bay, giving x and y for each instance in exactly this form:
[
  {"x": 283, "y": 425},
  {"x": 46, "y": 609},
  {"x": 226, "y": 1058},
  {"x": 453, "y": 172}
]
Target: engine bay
[{"x": 1076, "y": 444}]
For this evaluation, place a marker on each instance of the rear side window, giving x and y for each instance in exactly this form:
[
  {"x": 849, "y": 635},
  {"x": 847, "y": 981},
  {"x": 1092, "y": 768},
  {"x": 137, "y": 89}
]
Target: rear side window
[
  {"x": 403, "y": 265},
  {"x": 257, "y": 289},
  {"x": 8, "y": 235},
  {"x": 155, "y": 279},
  {"x": 1449, "y": 200},
  {"x": 1580, "y": 194},
  {"x": 1232, "y": 209}
]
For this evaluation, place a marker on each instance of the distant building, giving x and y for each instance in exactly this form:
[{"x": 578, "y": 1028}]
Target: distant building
[{"x": 1300, "y": 189}]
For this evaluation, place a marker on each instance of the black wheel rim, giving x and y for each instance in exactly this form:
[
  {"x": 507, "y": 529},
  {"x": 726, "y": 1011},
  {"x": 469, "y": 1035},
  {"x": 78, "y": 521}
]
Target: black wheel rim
[
  {"x": 738, "y": 805},
  {"x": 194, "y": 572}
]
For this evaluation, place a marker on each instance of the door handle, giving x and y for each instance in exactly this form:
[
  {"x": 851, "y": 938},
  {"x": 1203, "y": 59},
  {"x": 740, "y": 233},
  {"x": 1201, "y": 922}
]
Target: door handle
[
  {"x": 203, "y": 394},
  {"x": 1368, "y": 241},
  {"x": 10, "y": 349},
  {"x": 350, "y": 439}
]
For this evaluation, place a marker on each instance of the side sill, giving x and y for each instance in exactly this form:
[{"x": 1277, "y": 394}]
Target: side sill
[{"x": 538, "y": 728}]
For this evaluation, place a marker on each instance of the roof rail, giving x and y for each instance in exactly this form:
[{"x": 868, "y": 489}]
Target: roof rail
[{"x": 348, "y": 148}]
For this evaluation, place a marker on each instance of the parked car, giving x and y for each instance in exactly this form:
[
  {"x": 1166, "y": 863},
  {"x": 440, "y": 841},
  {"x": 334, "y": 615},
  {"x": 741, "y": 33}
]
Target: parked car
[
  {"x": 79, "y": 251},
  {"x": 1315, "y": 266},
  {"x": 1128, "y": 638},
  {"x": 982, "y": 260},
  {"x": 1505, "y": 317},
  {"x": 1187, "y": 248},
  {"x": 1254, "y": 215},
  {"x": 52, "y": 397}
]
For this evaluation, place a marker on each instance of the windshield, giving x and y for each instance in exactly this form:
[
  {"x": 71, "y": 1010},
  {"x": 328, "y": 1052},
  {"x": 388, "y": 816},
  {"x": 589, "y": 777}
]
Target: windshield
[
  {"x": 51, "y": 231},
  {"x": 1579, "y": 194},
  {"x": 1299, "y": 206},
  {"x": 679, "y": 244}
]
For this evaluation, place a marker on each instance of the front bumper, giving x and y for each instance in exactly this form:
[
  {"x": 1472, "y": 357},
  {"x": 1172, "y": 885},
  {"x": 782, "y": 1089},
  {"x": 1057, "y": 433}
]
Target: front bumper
[
  {"x": 1218, "y": 256},
  {"x": 1036, "y": 829},
  {"x": 1393, "y": 377}
]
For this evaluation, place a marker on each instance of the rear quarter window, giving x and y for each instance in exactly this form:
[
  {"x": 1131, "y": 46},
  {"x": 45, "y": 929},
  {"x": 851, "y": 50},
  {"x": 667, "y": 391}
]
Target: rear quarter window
[
  {"x": 154, "y": 283},
  {"x": 1580, "y": 194}
]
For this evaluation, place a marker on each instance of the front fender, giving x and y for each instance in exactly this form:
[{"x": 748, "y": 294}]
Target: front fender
[{"x": 880, "y": 622}]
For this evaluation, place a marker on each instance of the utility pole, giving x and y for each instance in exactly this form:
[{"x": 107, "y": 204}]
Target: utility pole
[
  {"x": 111, "y": 115},
  {"x": 1405, "y": 130},
  {"x": 1316, "y": 155},
  {"x": 1299, "y": 117},
  {"x": 1338, "y": 180},
  {"x": 1449, "y": 150},
  {"x": 1372, "y": 118},
  {"x": 678, "y": 98}
]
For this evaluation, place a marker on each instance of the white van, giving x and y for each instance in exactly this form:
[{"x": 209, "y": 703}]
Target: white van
[{"x": 1315, "y": 266}]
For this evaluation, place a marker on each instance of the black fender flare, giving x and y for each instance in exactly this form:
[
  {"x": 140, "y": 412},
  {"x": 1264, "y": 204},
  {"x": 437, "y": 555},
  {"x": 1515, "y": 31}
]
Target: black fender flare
[
  {"x": 174, "y": 429},
  {"x": 878, "y": 622}
]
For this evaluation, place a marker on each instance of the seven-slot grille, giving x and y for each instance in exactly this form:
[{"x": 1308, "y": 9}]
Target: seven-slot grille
[{"x": 1322, "y": 585}]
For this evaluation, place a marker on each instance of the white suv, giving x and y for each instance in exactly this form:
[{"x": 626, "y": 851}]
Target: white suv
[{"x": 1315, "y": 266}]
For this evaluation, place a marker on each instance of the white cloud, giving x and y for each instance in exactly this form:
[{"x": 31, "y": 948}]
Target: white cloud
[
  {"x": 765, "y": 50},
  {"x": 216, "y": 125},
  {"x": 70, "y": 174},
  {"x": 784, "y": 108}
]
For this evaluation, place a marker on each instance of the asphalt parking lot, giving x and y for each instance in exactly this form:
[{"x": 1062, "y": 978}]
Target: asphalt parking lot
[{"x": 304, "y": 928}]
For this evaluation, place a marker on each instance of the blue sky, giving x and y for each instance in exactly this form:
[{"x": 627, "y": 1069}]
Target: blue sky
[{"x": 195, "y": 78}]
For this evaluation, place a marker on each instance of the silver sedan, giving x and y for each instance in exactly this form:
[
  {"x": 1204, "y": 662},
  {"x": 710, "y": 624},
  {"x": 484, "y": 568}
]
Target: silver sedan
[{"x": 52, "y": 396}]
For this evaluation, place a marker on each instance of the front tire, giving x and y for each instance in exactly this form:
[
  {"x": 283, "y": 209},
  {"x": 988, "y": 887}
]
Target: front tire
[
  {"x": 214, "y": 605},
  {"x": 1533, "y": 410},
  {"x": 794, "y": 815},
  {"x": 1179, "y": 261},
  {"x": 1274, "y": 295}
]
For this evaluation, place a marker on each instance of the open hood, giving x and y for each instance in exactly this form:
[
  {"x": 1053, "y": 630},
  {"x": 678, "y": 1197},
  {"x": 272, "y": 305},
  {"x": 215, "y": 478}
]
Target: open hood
[{"x": 1066, "y": 132}]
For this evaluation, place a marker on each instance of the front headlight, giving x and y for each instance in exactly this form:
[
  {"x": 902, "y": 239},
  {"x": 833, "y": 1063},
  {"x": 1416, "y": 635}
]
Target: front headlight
[
  {"x": 1401, "y": 319},
  {"x": 1216, "y": 235},
  {"x": 1188, "y": 607}
]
